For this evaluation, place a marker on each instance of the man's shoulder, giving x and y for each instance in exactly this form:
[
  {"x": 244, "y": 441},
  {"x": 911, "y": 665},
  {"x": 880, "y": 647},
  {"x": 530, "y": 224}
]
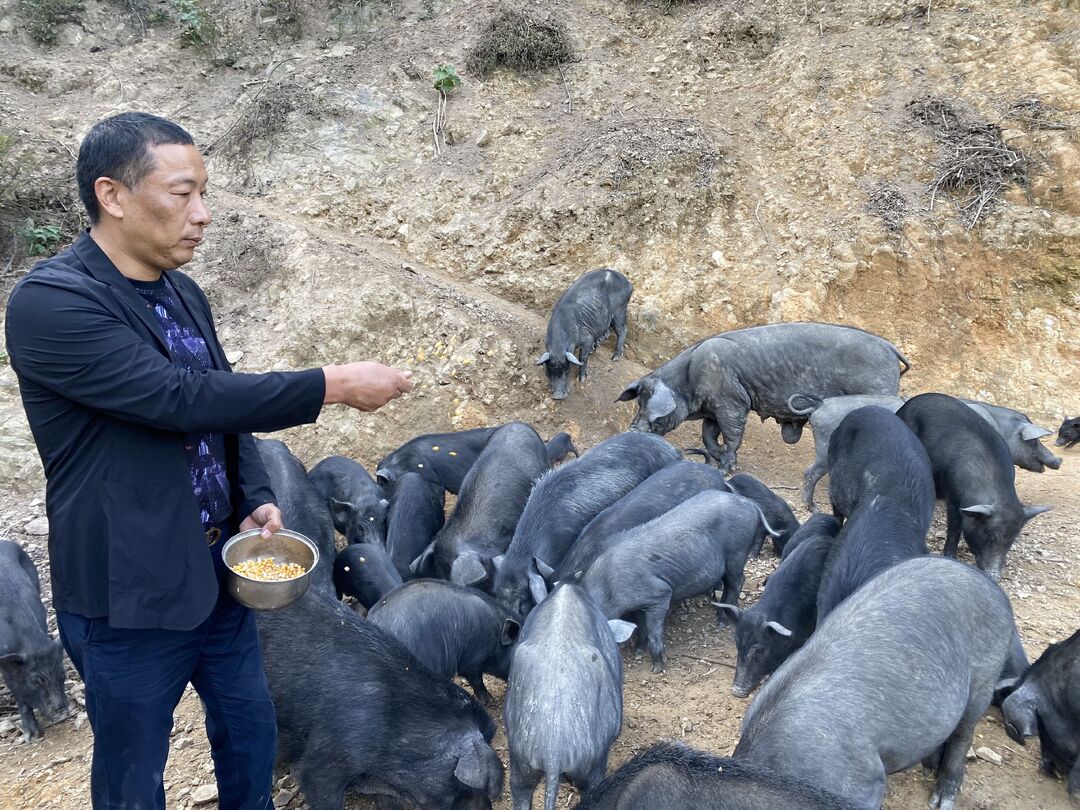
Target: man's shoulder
[
  {"x": 64, "y": 270},
  {"x": 187, "y": 284}
]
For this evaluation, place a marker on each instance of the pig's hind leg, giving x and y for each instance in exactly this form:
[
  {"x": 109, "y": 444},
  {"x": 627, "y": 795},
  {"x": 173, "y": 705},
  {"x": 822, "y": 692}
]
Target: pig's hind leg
[
  {"x": 619, "y": 324},
  {"x": 523, "y": 782},
  {"x": 950, "y": 773},
  {"x": 655, "y": 616}
]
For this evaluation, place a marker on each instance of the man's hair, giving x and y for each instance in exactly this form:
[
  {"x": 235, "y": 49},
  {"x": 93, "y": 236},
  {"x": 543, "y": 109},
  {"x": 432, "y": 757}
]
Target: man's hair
[{"x": 119, "y": 148}]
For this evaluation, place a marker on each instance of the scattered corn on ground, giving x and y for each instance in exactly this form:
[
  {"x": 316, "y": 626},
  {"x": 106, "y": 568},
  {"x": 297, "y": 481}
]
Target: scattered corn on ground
[{"x": 267, "y": 569}]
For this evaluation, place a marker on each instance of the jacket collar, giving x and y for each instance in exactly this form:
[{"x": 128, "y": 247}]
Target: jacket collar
[{"x": 101, "y": 267}]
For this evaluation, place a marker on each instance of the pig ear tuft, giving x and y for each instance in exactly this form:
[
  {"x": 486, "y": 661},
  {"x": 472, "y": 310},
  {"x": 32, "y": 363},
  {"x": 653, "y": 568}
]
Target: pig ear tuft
[
  {"x": 543, "y": 358},
  {"x": 419, "y": 565},
  {"x": 543, "y": 569},
  {"x": 724, "y": 607},
  {"x": 537, "y": 587},
  {"x": 1032, "y": 511},
  {"x": 1032, "y": 431},
  {"x": 621, "y": 630},
  {"x": 984, "y": 510},
  {"x": 497, "y": 561},
  {"x": 476, "y": 770},
  {"x": 511, "y": 629},
  {"x": 778, "y": 628},
  {"x": 630, "y": 392},
  {"x": 467, "y": 570}
]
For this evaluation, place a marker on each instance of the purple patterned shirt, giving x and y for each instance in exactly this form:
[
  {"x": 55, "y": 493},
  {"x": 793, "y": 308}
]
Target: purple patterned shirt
[{"x": 205, "y": 451}]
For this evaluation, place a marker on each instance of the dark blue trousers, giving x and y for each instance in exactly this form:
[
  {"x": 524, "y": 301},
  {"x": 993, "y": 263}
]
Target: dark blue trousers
[{"x": 134, "y": 680}]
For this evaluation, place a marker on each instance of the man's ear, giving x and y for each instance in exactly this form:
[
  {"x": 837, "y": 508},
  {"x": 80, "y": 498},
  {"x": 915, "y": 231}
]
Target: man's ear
[{"x": 107, "y": 192}]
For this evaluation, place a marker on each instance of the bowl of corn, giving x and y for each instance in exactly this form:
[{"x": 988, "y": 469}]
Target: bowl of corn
[{"x": 268, "y": 573}]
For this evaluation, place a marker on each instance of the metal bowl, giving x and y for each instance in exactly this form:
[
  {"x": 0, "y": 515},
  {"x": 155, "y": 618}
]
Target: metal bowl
[{"x": 285, "y": 547}]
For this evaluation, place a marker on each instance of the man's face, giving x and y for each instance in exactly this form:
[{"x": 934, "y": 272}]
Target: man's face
[{"x": 165, "y": 213}]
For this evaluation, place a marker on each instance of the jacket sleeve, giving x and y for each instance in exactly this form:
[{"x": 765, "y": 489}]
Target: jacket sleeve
[
  {"x": 65, "y": 340},
  {"x": 252, "y": 479}
]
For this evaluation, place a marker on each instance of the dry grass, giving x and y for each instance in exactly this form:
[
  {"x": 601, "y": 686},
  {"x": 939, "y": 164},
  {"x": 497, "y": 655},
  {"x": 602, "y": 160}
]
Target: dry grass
[
  {"x": 1034, "y": 115},
  {"x": 520, "y": 41},
  {"x": 974, "y": 162},
  {"x": 888, "y": 202}
]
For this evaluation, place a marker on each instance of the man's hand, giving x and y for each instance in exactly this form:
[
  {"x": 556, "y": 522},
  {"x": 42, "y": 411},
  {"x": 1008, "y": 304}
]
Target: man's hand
[
  {"x": 267, "y": 517},
  {"x": 365, "y": 386}
]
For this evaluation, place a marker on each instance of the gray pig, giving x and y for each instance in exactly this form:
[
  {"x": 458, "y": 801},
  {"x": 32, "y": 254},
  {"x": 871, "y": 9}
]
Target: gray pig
[
  {"x": 1068, "y": 433},
  {"x": 660, "y": 492},
  {"x": 357, "y": 504},
  {"x": 721, "y": 379},
  {"x": 781, "y": 621},
  {"x": 582, "y": 319},
  {"x": 1020, "y": 434},
  {"x": 564, "y": 696},
  {"x": 840, "y": 713},
  {"x": 565, "y": 499},
  {"x": 451, "y": 629},
  {"x": 493, "y": 496},
  {"x": 32, "y": 663},
  {"x": 973, "y": 473},
  {"x": 698, "y": 546},
  {"x": 825, "y": 416},
  {"x": 1046, "y": 700},
  {"x": 673, "y": 776}
]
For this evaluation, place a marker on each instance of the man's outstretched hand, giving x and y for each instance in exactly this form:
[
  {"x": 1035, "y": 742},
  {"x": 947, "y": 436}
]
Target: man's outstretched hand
[
  {"x": 267, "y": 517},
  {"x": 365, "y": 386}
]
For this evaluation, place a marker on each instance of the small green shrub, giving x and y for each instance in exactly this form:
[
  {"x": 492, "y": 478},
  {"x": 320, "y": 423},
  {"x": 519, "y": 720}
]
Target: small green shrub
[
  {"x": 197, "y": 26},
  {"x": 41, "y": 240},
  {"x": 44, "y": 17},
  {"x": 445, "y": 78}
]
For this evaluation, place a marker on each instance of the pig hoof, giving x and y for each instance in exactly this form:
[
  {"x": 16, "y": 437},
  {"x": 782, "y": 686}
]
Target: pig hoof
[
  {"x": 658, "y": 666},
  {"x": 615, "y": 358}
]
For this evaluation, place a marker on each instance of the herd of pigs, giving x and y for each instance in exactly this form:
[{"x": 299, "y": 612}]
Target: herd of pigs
[{"x": 874, "y": 654}]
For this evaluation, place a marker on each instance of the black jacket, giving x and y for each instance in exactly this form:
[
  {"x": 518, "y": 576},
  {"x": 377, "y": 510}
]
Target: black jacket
[{"x": 109, "y": 412}]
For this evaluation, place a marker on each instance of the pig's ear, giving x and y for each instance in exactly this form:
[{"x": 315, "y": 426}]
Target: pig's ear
[
  {"x": 542, "y": 568},
  {"x": 420, "y": 564},
  {"x": 467, "y": 570},
  {"x": 570, "y": 358},
  {"x": 543, "y": 358},
  {"x": 497, "y": 561},
  {"x": 341, "y": 509},
  {"x": 1032, "y": 511},
  {"x": 479, "y": 768},
  {"x": 723, "y": 607},
  {"x": 979, "y": 510},
  {"x": 778, "y": 628},
  {"x": 661, "y": 403},
  {"x": 1030, "y": 431},
  {"x": 630, "y": 392},
  {"x": 537, "y": 586},
  {"x": 12, "y": 660},
  {"x": 621, "y": 630},
  {"x": 511, "y": 629},
  {"x": 385, "y": 476}
]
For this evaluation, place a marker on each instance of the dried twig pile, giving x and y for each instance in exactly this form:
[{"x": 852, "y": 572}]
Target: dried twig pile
[
  {"x": 974, "y": 161},
  {"x": 977, "y": 165},
  {"x": 887, "y": 202},
  {"x": 520, "y": 41}
]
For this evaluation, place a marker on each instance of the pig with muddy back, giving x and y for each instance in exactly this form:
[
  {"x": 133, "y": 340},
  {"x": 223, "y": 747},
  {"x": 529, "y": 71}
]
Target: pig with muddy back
[
  {"x": 722, "y": 378},
  {"x": 32, "y": 664},
  {"x": 564, "y": 697},
  {"x": 973, "y": 474},
  {"x": 582, "y": 319}
]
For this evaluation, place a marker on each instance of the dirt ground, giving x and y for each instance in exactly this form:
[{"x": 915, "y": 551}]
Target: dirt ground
[{"x": 727, "y": 157}]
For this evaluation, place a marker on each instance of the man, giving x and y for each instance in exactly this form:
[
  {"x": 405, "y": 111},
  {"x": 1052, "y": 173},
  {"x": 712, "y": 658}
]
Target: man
[{"x": 144, "y": 434}]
